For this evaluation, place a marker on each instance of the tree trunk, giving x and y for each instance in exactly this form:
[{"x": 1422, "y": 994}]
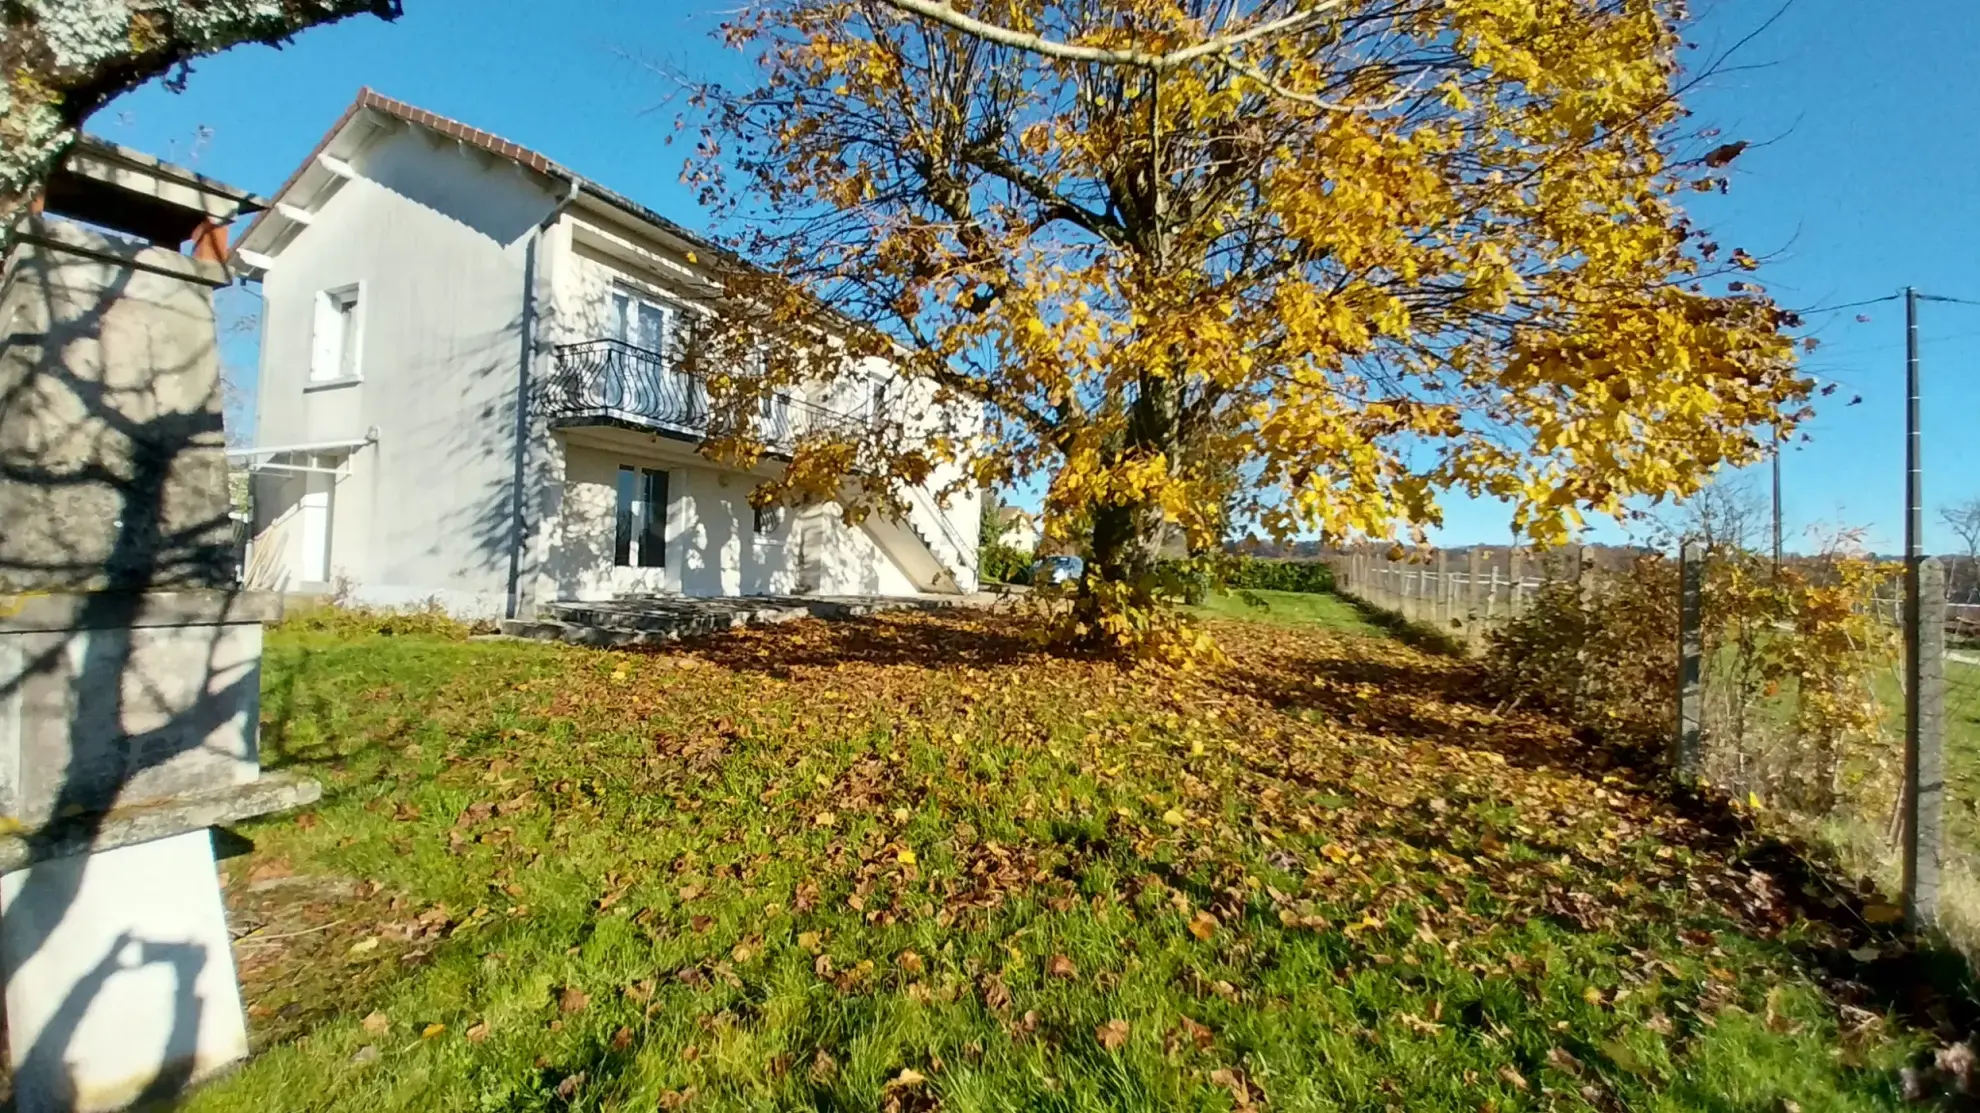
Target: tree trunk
[
  {"x": 63, "y": 59},
  {"x": 1127, "y": 542},
  {"x": 1127, "y": 537}
]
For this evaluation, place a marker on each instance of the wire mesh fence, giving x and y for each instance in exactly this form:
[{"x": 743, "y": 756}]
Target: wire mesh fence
[{"x": 1788, "y": 688}]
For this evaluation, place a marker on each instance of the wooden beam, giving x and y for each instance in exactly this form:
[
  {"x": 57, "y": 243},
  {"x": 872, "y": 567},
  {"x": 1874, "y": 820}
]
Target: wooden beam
[{"x": 336, "y": 166}]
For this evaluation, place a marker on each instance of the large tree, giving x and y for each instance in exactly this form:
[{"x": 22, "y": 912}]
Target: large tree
[
  {"x": 1303, "y": 264},
  {"x": 61, "y": 60}
]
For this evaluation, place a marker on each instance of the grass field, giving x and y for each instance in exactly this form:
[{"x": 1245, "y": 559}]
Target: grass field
[
  {"x": 914, "y": 863},
  {"x": 1288, "y": 608}
]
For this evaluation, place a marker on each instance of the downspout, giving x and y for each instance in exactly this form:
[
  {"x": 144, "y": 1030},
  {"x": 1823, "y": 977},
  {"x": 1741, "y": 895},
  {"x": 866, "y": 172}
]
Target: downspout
[{"x": 518, "y": 502}]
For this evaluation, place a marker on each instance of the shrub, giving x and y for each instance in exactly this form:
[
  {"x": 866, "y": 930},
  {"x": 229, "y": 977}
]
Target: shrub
[
  {"x": 1790, "y": 714},
  {"x": 1002, "y": 563},
  {"x": 1191, "y": 580},
  {"x": 1259, "y": 574}
]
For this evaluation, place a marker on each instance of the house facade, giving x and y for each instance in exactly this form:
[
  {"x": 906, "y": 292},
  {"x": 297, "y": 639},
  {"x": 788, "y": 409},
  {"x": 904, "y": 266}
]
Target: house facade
[
  {"x": 471, "y": 393},
  {"x": 1020, "y": 529}
]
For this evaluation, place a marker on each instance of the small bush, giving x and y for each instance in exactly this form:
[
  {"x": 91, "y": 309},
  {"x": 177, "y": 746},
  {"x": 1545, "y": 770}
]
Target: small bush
[
  {"x": 1001, "y": 563},
  {"x": 1791, "y": 716}
]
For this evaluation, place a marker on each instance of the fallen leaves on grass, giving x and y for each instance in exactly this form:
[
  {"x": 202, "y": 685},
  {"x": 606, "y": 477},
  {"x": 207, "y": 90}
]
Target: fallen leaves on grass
[{"x": 918, "y": 777}]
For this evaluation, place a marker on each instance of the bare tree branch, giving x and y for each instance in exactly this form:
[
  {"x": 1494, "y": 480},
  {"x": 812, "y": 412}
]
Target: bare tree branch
[
  {"x": 1072, "y": 52},
  {"x": 63, "y": 59}
]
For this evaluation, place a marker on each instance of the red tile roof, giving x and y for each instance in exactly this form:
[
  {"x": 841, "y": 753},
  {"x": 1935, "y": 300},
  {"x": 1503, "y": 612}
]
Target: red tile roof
[{"x": 494, "y": 145}]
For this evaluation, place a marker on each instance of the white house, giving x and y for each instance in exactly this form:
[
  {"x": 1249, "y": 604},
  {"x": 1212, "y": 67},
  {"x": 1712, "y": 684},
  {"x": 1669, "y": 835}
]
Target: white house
[
  {"x": 467, "y": 395},
  {"x": 1020, "y": 529}
]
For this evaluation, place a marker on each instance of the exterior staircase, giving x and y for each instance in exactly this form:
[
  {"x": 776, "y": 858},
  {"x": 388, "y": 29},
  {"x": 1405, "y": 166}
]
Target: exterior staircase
[{"x": 953, "y": 557}]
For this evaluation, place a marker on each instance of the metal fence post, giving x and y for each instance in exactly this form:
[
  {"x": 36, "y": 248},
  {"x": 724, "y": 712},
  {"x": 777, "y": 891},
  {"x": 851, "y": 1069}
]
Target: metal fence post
[
  {"x": 1924, "y": 749},
  {"x": 1689, "y": 750}
]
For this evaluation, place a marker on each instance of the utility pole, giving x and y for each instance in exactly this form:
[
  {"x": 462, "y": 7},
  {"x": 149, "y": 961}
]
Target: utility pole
[{"x": 1914, "y": 525}]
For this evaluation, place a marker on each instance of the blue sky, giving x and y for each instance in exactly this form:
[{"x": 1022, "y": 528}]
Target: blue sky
[{"x": 1867, "y": 178}]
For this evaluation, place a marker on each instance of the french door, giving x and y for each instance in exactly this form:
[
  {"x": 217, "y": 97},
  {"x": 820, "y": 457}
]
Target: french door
[{"x": 644, "y": 377}]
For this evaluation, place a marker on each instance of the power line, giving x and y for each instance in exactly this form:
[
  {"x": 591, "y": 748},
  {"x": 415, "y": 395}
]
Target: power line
[{"x": 1849, "y": 305}]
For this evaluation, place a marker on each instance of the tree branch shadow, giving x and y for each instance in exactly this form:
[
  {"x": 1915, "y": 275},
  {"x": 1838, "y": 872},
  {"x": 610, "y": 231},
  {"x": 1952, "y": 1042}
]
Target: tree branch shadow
[{"x": 103, "y": 501}]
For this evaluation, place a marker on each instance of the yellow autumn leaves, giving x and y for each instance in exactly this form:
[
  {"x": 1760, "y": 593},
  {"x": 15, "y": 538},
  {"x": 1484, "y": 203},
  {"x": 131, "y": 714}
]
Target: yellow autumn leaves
[{"x": 1308, "y": 284}]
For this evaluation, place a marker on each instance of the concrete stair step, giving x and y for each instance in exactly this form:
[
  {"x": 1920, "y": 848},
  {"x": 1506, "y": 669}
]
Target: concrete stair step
[{"x": 628, "y": 623}]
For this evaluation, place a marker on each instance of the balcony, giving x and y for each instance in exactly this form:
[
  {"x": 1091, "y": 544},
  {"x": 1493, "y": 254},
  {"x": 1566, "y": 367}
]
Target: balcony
[{"x": 612, "y": 382}]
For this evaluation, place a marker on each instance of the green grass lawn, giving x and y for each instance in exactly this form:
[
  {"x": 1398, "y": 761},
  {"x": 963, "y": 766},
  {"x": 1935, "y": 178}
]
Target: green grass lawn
[
  {"x": 914, "y": 863},
  {"x": 1287, "y": 607}
]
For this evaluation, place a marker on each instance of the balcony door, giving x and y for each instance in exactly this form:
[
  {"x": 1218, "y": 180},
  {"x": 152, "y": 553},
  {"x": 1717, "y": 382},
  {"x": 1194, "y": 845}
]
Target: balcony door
[{"x": 644, "y": 376}]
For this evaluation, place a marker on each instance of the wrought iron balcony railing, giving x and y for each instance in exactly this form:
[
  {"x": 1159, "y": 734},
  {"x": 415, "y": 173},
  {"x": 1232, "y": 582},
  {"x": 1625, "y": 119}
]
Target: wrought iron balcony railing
[
  {"x": 621, "y": 383},
  {"x": 612, "y": 381}
]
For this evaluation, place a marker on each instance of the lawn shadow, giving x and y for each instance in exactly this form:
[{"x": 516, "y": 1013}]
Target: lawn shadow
[
  {"x": 1441, "y": 700},
  {"x": 1410, "y": 632},
  {"x": 1920, "y": 978},
  {"x": 1771, "y": 882},
  {"x": 936, "y": 642}
]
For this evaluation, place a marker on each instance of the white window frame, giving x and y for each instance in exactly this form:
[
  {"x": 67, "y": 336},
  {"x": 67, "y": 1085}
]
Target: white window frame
[
  {"x": 339, "y": 359},
  {"x": 670, "y": 317}
]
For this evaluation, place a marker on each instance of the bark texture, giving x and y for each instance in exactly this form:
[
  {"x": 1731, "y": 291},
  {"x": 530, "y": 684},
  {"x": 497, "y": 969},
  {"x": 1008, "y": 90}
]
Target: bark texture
[{"x": 61, "y": 60}]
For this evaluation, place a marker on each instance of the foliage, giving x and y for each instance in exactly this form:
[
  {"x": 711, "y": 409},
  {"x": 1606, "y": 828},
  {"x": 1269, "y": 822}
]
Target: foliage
[
  {"x": 1191, "y": 580},
  {"x": 1793, "y": 654},
  {"x": 1789, "y": 655},
  {"x": 1259, "y": 574},
  {"x": 912, "y": 863},
  {"x": 990, "y": 521},
  {"x": 1604, "y": 658},
  {"x": 1306, "y": 279},
  {"x": 1001, "y": 563}
]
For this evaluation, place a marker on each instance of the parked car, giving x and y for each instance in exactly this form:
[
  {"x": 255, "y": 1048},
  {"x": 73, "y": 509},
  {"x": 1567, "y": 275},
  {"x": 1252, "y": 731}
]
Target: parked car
[{"x": 1054, "y": 570}]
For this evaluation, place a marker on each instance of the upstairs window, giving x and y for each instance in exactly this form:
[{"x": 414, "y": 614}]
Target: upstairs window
[
  {"x": 641, "y": 321},
  {"x": 769, "y": 519},
  {"x": 338, "y": 340},
  {"x": 640, "y": 537}
]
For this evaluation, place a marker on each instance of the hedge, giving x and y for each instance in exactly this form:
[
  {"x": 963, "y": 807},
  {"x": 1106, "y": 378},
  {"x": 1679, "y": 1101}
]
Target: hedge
[
  {"x": 1259, "y": 574},
  {"x": 1246, "y": 573}
]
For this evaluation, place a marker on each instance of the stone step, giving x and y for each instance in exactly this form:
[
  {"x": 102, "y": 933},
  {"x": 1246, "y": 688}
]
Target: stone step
[{"x": 631, "y": 623}]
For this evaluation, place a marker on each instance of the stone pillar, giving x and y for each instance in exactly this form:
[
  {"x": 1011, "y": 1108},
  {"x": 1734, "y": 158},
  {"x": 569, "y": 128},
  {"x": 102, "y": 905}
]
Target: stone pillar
[{"x": 130, "y": 661}]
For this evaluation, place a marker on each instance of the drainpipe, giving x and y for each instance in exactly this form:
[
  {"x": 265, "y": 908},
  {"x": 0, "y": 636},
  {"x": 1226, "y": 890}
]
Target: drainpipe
[{"x": 518, "y": 502}]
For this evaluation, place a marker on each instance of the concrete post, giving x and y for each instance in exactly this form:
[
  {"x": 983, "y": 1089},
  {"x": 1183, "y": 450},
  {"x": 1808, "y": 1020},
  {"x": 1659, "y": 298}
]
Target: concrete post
[
  {"x": 1924, "y": 752},
  {"x": 1688, "y": 747},
  {"x": 129, "y": 657},
  {"x": 1474, "y": 600},
  {"x": 1443, "y": 606}
]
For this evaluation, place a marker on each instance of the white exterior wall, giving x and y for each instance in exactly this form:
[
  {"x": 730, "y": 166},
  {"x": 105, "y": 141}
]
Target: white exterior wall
[
  {"x": 712, "y": 546},
  {"x": 436, "y": 237},
  {"x": 592, "y": 255}
]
